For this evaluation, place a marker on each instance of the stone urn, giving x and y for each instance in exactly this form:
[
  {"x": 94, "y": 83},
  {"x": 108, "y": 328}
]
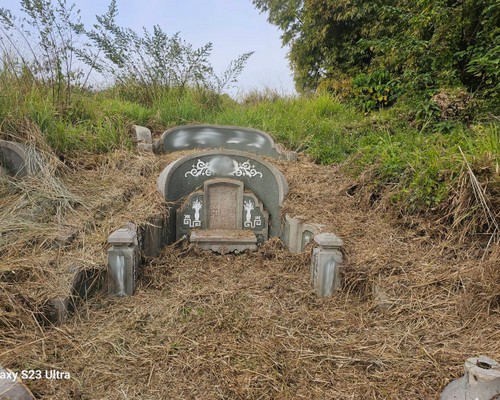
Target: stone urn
[{"x": 481, "y": 381}]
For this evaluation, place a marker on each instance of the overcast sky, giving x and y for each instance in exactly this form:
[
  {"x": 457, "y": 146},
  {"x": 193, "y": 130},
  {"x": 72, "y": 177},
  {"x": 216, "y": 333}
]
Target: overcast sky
[{"x": 233, "y": 26}]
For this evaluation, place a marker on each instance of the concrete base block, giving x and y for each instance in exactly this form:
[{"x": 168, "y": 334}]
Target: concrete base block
[
  {"x": 224, "y": 241},
  {"x": 123, "y": 261},
  {"x": 325, "y": 264}
]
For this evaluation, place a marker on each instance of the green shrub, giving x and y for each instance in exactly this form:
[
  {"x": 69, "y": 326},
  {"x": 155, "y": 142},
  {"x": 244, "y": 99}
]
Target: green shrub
[{"x": 374, "y": 90}]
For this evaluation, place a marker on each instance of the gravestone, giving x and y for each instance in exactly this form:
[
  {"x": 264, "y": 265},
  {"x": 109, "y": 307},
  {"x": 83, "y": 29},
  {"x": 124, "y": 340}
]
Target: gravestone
[
  {"x": 193, "y": 212},
  {"x": 143, "y": 138},
  {"x": 189, "y": 137},
  {"x": 224, "y": 204}
]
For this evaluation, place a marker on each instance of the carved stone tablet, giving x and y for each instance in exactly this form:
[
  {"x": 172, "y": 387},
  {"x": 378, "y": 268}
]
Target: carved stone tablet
[{"x": 224, "y": 199}]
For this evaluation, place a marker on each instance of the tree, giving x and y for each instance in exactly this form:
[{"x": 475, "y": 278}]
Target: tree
[{"x": 421, "y": 43}]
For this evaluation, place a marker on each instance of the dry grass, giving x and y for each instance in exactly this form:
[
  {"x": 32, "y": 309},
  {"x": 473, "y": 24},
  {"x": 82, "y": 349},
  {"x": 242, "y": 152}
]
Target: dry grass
[{"x": 411, "y": 311}]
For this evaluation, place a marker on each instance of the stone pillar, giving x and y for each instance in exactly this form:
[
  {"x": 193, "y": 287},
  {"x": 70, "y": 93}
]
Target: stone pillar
[
  {"x": 480, "y": 381},
  {"x": 123, "y": 261},
  {"x": 143, "y": 138},
  {"x": 325, "y": 264}
]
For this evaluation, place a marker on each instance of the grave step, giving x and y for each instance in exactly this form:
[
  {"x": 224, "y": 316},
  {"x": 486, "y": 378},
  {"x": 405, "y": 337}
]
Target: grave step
[{"x": 224, "y": 241}]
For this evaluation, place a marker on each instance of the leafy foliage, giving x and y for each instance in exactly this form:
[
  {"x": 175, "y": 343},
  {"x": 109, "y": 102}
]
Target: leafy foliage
[
  {"x": 49, "y": 45},
  {"x": 424, "y": 43},
  {"x": 40, "y": 45},
  {"x": 154, "y": 60}
]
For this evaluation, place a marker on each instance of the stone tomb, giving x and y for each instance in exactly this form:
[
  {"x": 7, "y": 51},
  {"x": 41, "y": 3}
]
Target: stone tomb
[
  {"x": 258, "y": 196},
  {"x": 223, "y": 216},
  {"x": 224, "y": 200}
]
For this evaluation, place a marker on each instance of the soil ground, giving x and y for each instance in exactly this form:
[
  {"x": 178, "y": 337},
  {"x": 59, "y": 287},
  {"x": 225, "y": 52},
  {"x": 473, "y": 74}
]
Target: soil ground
[{"x": 412, "y": 308}]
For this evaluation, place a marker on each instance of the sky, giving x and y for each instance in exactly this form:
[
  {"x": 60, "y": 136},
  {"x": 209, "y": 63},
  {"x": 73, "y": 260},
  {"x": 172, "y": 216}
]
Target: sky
[{"x": 233, "y": 26}]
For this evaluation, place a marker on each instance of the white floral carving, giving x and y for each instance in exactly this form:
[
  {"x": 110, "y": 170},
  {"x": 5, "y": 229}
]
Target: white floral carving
[
  {"x": 197, "y": 204},
  {"x": 246, "y": 169},
  {"x": 200, "y": 169},
  {"x": 214, "y": 167},
  {"x": 249, "y": 206}
]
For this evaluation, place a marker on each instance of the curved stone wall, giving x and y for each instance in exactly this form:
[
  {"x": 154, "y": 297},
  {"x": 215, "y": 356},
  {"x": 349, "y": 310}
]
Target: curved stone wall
[{"x": 189, "y": 137}]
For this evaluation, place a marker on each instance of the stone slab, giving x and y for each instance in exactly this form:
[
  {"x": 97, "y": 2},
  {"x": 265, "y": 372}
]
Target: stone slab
[
  {"x": 224, "y": 241},
  {"x": 224, "y": 203},
  {"x": 142, "y": 134},
  {"x": 13, "y": 388},
  {"x": 297, "y": 233},
  {"x": 189, "y": 137}
]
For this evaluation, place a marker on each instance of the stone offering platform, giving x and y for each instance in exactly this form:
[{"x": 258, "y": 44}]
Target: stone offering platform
[{"x": 224, "y": 240}]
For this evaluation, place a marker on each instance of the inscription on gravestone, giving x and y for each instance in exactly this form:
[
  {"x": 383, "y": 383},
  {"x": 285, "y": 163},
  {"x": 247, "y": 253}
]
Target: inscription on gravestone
[{"x": 224, "y": 200}]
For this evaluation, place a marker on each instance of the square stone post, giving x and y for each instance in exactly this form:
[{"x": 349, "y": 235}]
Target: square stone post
[
  {"x": 123, "y": 261},
  {"x": 325, "y": 264}
]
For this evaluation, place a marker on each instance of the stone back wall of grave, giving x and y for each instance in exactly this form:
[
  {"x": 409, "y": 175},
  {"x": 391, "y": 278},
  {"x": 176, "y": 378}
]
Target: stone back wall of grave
[
  {"x": 188, "y": 174},
  {"x": 189, "y": 137}
]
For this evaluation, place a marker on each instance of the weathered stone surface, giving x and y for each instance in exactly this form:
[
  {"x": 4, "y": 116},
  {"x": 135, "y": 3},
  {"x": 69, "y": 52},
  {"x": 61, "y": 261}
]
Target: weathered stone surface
[
  {"x": 325, "y": 264},
  {"x": 224, "y": 241},
  {"x": 12, "y": 388},
  {"x": 143, "y": 138},
  {"x": 250, "y": 140},
  {"x": 142, "y": 134},
  {"x": 328, "y": 241},
  {"x": 155, "y": 235},
  {"x": 14, "y": 158},
  {"x": 145, "y": 147},
  {"x": 186, "y": 175},
  {"x": 224, "y": 199},
  {"x": 123, "y": 261},
  {"x": 123, "y": 236},
  {"x": 297, "y": 233},
  {"x": 480, "y": 381}
]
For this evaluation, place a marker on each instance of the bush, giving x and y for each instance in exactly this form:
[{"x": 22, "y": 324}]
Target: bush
[{"x": 374, "y": 90}]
